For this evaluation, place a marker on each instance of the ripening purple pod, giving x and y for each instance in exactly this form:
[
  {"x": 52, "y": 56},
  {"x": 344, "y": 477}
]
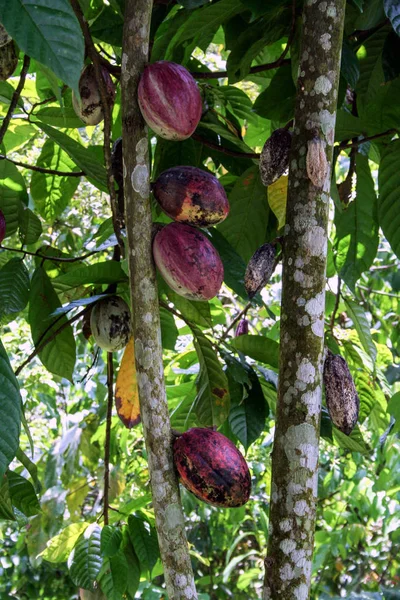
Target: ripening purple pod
[
  {"x": 242, "y": 328},
  {"x": 169, "y": 100}
]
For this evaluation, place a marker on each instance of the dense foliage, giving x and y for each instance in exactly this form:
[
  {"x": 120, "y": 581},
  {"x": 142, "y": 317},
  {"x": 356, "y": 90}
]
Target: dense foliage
[{"x": 60, "y": 253}]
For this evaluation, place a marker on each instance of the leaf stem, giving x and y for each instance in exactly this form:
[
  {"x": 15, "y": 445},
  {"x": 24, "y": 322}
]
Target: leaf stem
[
  {"x": 15, "y": 97},
  {"x": 110, "y": 400},
  {"x": 43, "y": 169}
]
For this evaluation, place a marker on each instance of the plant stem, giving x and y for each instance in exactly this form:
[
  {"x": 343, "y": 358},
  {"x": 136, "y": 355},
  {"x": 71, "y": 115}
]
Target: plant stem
[
  {"x": 43, "y": 169},
  {"x": 110, "y": 401},
  {"x": 15, "y": 97}
]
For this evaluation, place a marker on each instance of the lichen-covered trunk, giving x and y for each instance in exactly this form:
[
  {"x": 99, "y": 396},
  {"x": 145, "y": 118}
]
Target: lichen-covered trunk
[
  {"x": 146, "y": 322},
  {"x": 295, "y": 454}
]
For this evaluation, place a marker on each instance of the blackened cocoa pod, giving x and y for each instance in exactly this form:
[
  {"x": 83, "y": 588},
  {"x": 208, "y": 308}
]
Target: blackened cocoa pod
[
  {"x": 2, "y": 227},
  {"x": 274, "y": 159},
  {"x": 8, "y": 60},
  {"x": 242, "y": 328},
  {"x": 340, "y": 393},
  {"x": 259, "y": 269}
]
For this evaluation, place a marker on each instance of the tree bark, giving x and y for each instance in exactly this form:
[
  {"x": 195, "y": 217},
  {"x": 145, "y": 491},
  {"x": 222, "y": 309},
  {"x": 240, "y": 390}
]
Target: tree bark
[
  {"x": 295, "y": 454},
  {"x": 146, "y": 321}
]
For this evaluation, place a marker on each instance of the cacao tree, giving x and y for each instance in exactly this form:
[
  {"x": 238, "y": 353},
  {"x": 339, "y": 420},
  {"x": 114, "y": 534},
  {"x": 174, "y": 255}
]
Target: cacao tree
[{"x": 199, "y": 288}]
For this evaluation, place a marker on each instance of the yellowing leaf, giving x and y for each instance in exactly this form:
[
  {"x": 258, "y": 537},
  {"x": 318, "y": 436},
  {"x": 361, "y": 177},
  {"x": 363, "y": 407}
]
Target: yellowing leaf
[
  {"x": 60, "y": 546},
  {"x": 277, "y": 194},
  {"x": 126, "y": 389}
]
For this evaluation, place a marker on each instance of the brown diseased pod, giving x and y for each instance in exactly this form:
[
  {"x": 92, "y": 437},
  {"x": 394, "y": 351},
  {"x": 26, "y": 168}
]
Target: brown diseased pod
[
  {"x": 169, "y": 100},
  {"x": 8, "y": 60},
  {"x": 259, "y": 269},
  {"x": 89, "y": 108},
  {"x": 2, "y": 227},
  {"x": 340, "y": 393},
  {"x": 212, "y": 468},
  {"x": 274, "y": 159},
  {"x": 110, "y": 323},
  {"x": 192, "y": 196},
  {"x": 188, "y": 261}
]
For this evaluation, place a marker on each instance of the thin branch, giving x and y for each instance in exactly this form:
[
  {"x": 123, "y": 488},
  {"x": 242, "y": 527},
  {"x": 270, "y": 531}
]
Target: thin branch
[
  {"x": 51, "y": 337},
  {"x": 97, "y": 61},
  {"x": 371, "y": 291},
  {"x": 15, "y": 97},
  {"x": 235, "y": 320},
  {"x": 357, "y": 143},
  {"x": 335, "y": 309},
  {"x": 51, "y": 258},
  {"x": 236, "y": 153},
  {"x": 42, "y": 169},
  {"x": 110, "y": 400}
]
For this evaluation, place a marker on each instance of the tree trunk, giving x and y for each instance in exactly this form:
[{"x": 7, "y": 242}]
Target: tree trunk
[
  {"x": 295, "y": 454},
  {"x": 146, "y": 331}
]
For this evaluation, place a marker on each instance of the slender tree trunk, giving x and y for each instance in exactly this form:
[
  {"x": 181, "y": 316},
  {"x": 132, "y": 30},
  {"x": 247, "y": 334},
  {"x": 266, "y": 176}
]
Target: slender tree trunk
[
  {"x": 149, "y": 364},
  {"x": 295, "y": 454}
]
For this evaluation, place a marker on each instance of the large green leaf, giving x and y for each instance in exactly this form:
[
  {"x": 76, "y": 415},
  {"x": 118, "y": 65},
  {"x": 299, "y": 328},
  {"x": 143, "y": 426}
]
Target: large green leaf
[
  {"x": 10, "y": 412},
  {"x": 6, "y": 509},
  {"x": 102, "y": 272},
  {"x": 60, "y": 547},
  {"x": 357, "y": 228},
  {"x": 113, "y": 577},
  {"x": 82, "y": 157},
  {"x": 64, "y": 117},
  {"x": 169, "y": 330},
  {"x": 30, "y": 227},
  {"x": 52, "y": 193},
  {"x": 48, "y": 32},
  {"x": 13, "y": 195},
  {"x": 59, "y": 354},
  {"x": 260, "y": 348},
  {"x": 394, "y": 409},
  {"x": 277, "y": 101},
  {"x": 144, "y": 542},
  {"x": 193, "y": 311},
  {"x": 389, "y": 195},
  {"x": 133, "y": 568},
  {"x": 246, "y": 226},
  {"x": 110, "y": 541},
  {"x": 14, "y": 287},
  {"x": 361, "y": 324},
  {"x": 85, "y": 560},
  {"x": 212, "y": 401},
  {"x": 22, "y": 494},
  {"x": 234, "y": 265}
]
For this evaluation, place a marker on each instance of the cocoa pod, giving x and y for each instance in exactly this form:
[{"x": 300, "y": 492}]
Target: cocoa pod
[
  {"x": 274, "y": 158},
  {"x": 89, "y": 107},
  {"x": 316, "y": 162},
  {"x": 110, "y": 322},
  {"x": 212, "y": 468},
  {"x": 169, "y": 100},
  {"x": 188, "y": 261},
  {"x": 4, "y": 37},
  {"x": 340, "y": 393},
  {"x": 2, "y": 227},
  {"x": 8, "y": 60},
  {"x": 242, "y": 328},
  {"x": 192, "y": 196},
  {"x": 259, "y": 269}
]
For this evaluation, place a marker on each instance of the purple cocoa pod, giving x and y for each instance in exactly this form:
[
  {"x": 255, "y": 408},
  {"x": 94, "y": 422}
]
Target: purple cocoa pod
[
  {"x": 169, "y": 100},
  {"x": 190, "y": 195},
  {"x": 242, "y": 328},
  {"x": 188, "y": 261}
]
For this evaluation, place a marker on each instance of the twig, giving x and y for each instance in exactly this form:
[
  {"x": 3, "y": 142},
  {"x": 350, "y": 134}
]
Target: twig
[
  {"x": 236, "y": 153},
  {"x": 371, "y": 291},
  {"x": 43, "y": 169},
  {"x": 235, "y": 320},
  {"x": 40, "y": 347},
  {"x": 347, "y": 144},
  {"x": 51, "y": 258},
  {"x": 15, "y": 97},
  {"x": 97, "y": 62},
  {"x": 335, "y": 309},
  {"x": 110, "y": 400}
]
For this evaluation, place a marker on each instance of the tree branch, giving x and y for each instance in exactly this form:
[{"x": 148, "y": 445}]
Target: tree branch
[
  {"x": 346, "y": 144},
  {"x": 235, "y": 320},
  {"x": 60, "y": 259},
  {"x": 110, "y": 401},
  {"x": 15, "y": 97},
  {"x": 43, "y": 169}
]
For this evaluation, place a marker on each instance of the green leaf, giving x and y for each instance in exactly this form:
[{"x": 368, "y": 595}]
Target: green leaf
[
  {"x": 113, "y": 577},
  {"x": 392, "y": 11},
  {"x": 246, "y": 226},
  {"x": 13, "y": 195},
  {"x": 110, "y": 541},
  {"x": 59, "y": 547},
  {"x": 389, "y": 195},
  {"x": 10, "y": 412},
  {"x": 14, "y": 287},
  {"x": 348, "y": 126},
  {"x": 234, "y": 265},
  {"x": 81, "y": 156},
  {"x": 394, "y": 409},
  {"x": 354, "y": 442},
  {"x": 260, "y": 348},
  {"x": 349, "y": 67},
  {"x": 169, "y": 331},
  {"x": 64, "y": 117},
  {"x": 58, "y": 355},
  {"x": 85, "y": 560},
  {"x": 102, "y": 272},
  {"x": 144, "y": 542},
  {"x": 52, "y": 193},
  {"x": 357, "y": 228},
  {"x": 22, "y": 494},
  {"x": 194, "y": 311},
  {"x": 6, "y": 509},
  {"x": 212, "y": 401},
  {"x": 30, "y": 227},
  {"x": 133, "y": 569},
  {"x": 108, "y": 27},
  {"x": 224, "y": 133},
  {"x": 277, "y": 101},
  {"x": 48, "y": 32},
  {"x": 358, "y": 316},
  {"x": 248, "y": 406}
]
